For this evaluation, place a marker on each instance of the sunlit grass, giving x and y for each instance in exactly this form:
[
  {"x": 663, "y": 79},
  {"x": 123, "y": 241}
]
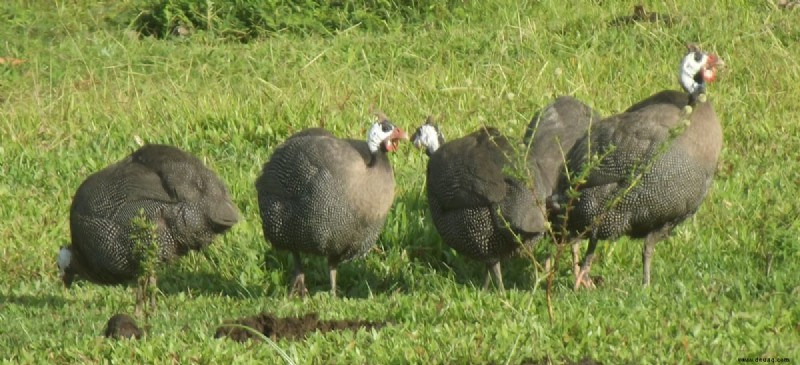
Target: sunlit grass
[{"x": 724, "y": 285}]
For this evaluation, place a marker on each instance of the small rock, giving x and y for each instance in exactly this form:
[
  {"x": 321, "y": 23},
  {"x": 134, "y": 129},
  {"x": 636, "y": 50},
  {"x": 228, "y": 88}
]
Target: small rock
[{"x": 123, "y": 326}]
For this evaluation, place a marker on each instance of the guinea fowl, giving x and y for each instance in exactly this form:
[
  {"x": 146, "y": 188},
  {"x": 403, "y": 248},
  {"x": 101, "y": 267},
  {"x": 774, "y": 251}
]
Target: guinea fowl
[
  {"x": 478, "y": 209},
  {"x": 326, "y": 196},
  {"x": 550, "y": 136},
  {"x": 656, "y": 162},
  {"x": 186, "y": 202}
]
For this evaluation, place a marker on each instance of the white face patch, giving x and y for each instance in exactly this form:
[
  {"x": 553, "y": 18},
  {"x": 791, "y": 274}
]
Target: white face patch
[
  {"x": 692, "y": 64},
  {"x": 427, "y": 136},
  {"x": 378, "y": 133},
  {"x": 64, "y": 259}
]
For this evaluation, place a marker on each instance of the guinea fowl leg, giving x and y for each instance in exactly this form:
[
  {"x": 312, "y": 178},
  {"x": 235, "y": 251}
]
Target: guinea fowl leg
[
  {"x": 493, "y": 271},
  {"x": 647, "y": 253},
  {"x": 583, "y": 278},
  {"x": 298, "y": 277},
  {"x": 576, "y": 258},
  {"x": 650, "y": 247},
  {"x": 332, "y": 264}
]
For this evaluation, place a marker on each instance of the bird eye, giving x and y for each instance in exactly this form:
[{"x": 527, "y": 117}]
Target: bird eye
[
  {"x": 386, "y": 126},
  {"x": 698, "y": 56}
]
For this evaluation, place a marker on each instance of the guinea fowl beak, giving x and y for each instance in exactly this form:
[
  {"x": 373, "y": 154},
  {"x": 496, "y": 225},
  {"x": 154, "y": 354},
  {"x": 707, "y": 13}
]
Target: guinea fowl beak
[{"x": 394, "y": 139}]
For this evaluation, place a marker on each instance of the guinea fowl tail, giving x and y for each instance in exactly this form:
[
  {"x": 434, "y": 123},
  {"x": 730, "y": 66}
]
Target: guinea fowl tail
[{"x": 224, "y": 215}]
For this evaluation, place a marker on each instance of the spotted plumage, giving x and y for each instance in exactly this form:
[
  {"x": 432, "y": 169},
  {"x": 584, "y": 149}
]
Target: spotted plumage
[
  {"x": 647, "y": 181},
  {"x": 478, "y": 209},
  {"x": 326, "y": 196},
  {"x": 185, "y": 201}
]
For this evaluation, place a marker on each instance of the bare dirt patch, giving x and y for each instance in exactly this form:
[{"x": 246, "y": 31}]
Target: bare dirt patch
[
  {"x": 292, "y": 328},
  {"x": 548, "y": 361},
  {"x": 643, "y": 16}
]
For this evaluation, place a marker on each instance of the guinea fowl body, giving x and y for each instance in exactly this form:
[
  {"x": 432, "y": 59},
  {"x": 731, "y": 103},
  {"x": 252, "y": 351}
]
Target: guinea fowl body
[
  {"x": 185, "y": 201},
  {"x": 478, "y": 209},
  {"x": 656, "y": 163},
  {"x": 326, "y": 196},
  {"x": 674, "y": 177},
  {"x": 552, "y": 133}
]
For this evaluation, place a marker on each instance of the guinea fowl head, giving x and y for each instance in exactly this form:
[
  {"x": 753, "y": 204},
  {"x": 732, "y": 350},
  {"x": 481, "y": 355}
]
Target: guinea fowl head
[
  {"x": 65, "y": 266},
  {"x": 383, "y": 135},
  {"x": 429, "y": 136},
  {"x": 697, "y": 68}
]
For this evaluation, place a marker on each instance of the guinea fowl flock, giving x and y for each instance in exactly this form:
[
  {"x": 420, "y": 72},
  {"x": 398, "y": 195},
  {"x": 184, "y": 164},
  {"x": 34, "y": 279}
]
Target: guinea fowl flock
[{"x": 638, "y": 173}]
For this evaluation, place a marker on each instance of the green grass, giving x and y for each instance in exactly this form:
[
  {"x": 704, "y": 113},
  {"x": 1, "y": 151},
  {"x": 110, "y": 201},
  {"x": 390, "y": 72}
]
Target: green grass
[{"x": 725, "y": 285}]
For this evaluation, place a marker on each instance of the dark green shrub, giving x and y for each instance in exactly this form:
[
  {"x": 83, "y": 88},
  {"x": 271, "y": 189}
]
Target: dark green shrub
[{"x": 247, "y": 19}]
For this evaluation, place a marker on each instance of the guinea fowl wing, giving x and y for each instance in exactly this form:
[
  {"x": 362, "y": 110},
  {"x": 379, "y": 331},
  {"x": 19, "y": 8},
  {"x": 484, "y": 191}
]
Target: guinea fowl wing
[
  {"x": 550, "y": 136},
  {"x": 467, "y": 173},
  {"x": 143, "y": 183},
  {"x": 625, "y": 143},
  {"x": 520, "y": 210},
  {"x": 103, "y": 194},
  {"x": 294, "y": 167},
  {"x": 183, "y": 178},
  {"x": 671, "y": 97}
]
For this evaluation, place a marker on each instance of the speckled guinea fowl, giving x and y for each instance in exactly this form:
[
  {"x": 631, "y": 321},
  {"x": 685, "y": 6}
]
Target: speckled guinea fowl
[
  {"x": 551, "y": 134},
  {"x": 473, "y": 202},
  {"x": 326, "y": 196},
  {"x": 185, "y": 200},
  {"x": 672, "y": 175}
]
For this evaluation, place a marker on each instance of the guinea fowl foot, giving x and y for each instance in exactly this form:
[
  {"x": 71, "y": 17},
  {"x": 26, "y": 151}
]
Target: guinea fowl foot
[
  {"x": 583, "y": 280},
  {"x": 299, "y": 286},
  {"x": 299, "y": 278}
]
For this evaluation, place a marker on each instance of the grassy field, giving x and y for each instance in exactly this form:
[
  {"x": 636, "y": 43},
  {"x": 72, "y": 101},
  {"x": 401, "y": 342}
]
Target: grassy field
[{"x": 725, "y": 285}]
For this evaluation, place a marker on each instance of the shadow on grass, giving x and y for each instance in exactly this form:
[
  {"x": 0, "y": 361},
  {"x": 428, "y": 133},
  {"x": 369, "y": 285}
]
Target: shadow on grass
[
  {"x": 518, "y": 271},
  {"x": 178, "y": 280},
  {"x": 430, "y": 251},
  {"x": 38, "y": 301},
  {"x": 355, "y": 279},
  {"x": 361, "y": 278},
  {"x": 548, "y": 360}
]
